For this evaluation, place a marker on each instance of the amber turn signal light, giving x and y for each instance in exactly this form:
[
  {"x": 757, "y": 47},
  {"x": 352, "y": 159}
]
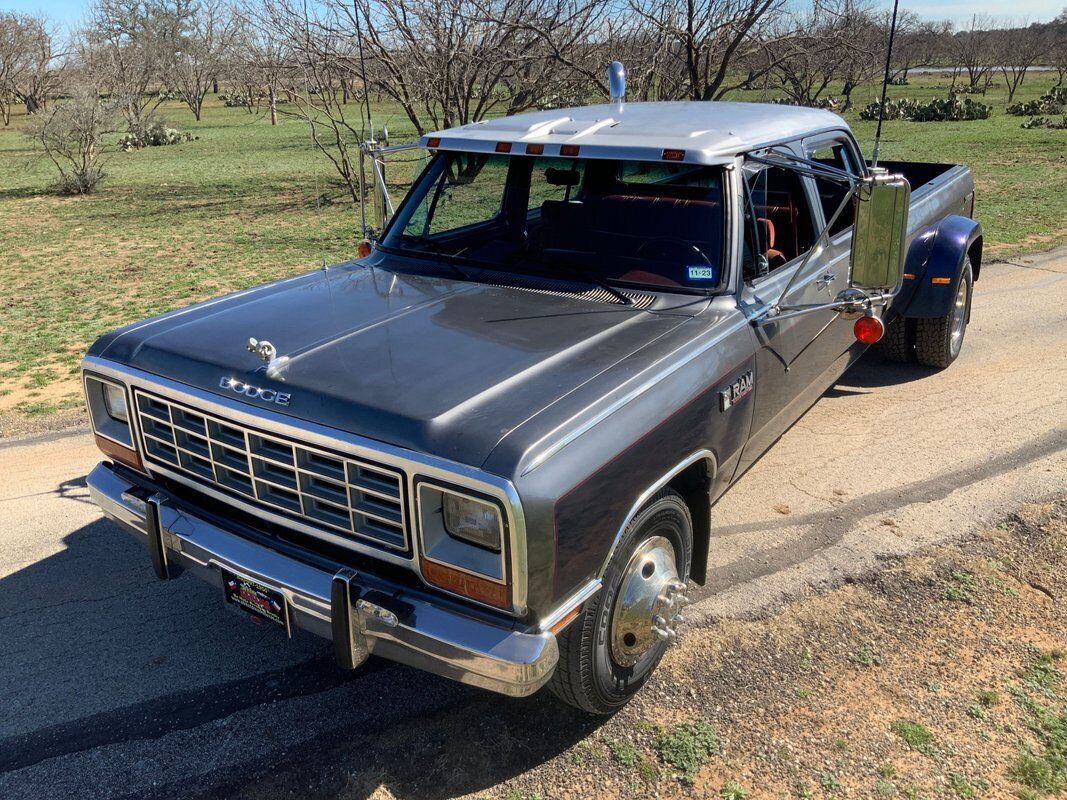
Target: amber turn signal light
[
  {"x": 122, "y": 454},
  {"x": 433, "y": 141},
  {"x": 869, "y": 330},
  {"x": 463, "y": 583}
]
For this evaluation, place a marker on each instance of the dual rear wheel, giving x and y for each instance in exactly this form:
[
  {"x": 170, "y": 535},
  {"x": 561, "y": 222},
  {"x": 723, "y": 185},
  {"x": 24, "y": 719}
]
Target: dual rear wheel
[{"x": 933, "y": 342}]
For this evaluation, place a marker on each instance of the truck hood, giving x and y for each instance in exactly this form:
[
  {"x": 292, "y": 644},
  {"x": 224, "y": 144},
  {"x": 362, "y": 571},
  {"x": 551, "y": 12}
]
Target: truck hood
[{"x": 432, "y": 364}]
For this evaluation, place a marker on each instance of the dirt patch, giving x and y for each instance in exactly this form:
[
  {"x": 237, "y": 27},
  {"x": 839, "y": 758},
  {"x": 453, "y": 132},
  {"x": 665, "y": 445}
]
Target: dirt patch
[{"x": 910, "y": 684}]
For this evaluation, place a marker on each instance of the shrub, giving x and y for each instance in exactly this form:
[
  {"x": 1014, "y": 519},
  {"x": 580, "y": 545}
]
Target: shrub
[
  {"x": 239, "y": 99},
  {"x": 70, "y": 133},
  {"x": 1051, "y": 102},
  {"x": 154, "y": 134},
  {"x": 687, "y": 747},
  {"x": 952, "y": 109},
  {"x": 1046, "y": 122}
]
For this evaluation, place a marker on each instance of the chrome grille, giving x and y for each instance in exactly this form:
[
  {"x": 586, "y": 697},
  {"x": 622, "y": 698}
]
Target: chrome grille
[{"x": 326, "y": 490}]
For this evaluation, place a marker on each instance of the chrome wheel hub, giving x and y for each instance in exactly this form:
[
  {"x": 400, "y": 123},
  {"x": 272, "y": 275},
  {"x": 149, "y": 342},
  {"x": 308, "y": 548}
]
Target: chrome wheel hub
[
  {"x": 959, "y": 318},
  {"x": 648, "y": 607}
]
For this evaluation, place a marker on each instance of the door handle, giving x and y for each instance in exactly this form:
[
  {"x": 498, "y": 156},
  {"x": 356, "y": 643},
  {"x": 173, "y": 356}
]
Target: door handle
[{"x": 825, "y": 280}]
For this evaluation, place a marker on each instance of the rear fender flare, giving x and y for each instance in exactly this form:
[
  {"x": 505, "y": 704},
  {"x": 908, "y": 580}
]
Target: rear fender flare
[{"x": 937, "y": 253}]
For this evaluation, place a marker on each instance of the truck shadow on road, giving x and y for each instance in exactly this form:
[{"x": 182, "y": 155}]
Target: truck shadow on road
[
  {"x": 111, "y": 670},
  {"x": 874, "y": 372}
]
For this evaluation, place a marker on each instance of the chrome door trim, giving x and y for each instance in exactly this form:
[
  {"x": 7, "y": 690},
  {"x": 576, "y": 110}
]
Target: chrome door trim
[{"x": 412, "y": 464}]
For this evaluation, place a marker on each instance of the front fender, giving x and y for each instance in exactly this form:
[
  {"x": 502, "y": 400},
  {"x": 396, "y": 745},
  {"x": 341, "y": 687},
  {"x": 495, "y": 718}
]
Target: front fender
[{"x": 934, "y": 266}]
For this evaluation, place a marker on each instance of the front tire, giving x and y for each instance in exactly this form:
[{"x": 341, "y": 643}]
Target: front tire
[
  {"x": 938, "y": 341},
  {"x": 606, "y": 655}
]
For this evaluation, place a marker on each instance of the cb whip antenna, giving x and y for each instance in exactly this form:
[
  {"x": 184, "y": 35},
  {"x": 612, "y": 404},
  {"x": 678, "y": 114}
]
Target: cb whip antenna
[
  {"x": 363, "y": 66},
  {"x": 885, "y": 84}
]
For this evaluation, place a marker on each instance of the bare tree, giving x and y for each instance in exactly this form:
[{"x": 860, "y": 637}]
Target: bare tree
[
  {"x": 450, "y": 62},
  {"x": 973, "y": 53},
  {"x": 864, "y": 37},
  {"x": 260, "y": 62},
  {"x": 70, "y": 133},
  {"x": 1017, "y": 49},
  {"x": 124, "y": 47},
  {"x": 198, "y": 38},
  {"x": 28, "y": 62},
  {"x": 917, "y": 43},
  {"x": 13, "y": 60},
  {"x": 317, "y": 53},
  {"x": 1056, "y": 36},
  {"x": 813, "y": 44},
  {"x": 705, "y": 40}
]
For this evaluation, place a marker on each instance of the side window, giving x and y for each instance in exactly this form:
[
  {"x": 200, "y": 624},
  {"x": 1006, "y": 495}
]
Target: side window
[
  {"x": 553, "y": 180},
  {"x": 469, "y": 191},
  {"x": 779, "y": 223},
  {"x": 831, "y": 193}
]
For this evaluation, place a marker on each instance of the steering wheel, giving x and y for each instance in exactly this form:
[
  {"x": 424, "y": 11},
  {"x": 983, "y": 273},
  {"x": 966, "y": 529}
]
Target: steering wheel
[{"x": 673, "y": 241}]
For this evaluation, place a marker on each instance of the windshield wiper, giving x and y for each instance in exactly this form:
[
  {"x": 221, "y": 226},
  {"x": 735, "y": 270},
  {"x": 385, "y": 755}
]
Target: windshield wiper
[
  {"x": 433, "y": 248},
  {"x": 571, "y": 256}
]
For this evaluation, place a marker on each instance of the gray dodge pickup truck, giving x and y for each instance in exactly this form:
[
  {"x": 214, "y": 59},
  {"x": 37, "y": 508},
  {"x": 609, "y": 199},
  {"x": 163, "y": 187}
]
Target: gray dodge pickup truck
[{"x": 489, "y": 448}]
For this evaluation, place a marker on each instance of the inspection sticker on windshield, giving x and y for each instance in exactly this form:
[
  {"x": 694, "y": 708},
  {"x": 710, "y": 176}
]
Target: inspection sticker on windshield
[{"x": 702, "y": 274}]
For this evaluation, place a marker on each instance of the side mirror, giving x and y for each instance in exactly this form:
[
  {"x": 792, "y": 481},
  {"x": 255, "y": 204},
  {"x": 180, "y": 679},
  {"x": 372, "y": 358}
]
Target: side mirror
[{"x": 881, "y": 205}]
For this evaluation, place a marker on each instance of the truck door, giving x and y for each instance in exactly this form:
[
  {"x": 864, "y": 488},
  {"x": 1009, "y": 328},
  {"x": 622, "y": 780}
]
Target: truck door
[
  {"x": 780, "y": 224},
  {"x": 835, "y": 150}
]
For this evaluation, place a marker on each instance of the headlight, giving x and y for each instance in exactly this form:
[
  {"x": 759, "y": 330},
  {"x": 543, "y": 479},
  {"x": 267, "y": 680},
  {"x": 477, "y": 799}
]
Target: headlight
[
  {"x": 464, "y": 543},
  {"x": 115, "y": 403},
  {"x": 109, "y": 412},
  {"x": 472, "y": 521}
]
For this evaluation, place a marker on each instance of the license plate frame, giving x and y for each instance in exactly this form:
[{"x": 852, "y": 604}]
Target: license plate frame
[{"x": 258, "y": 599}]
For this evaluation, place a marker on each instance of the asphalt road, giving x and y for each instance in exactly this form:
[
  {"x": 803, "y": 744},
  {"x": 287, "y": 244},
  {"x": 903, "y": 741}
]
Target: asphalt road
[{"x": 115, "y": 685}]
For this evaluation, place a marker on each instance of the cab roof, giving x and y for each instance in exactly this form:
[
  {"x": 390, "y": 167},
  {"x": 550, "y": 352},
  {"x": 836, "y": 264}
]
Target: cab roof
[{"x": 704, "y": 132}]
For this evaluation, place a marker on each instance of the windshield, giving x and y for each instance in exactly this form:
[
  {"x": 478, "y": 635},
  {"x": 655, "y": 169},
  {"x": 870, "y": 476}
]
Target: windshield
[{"x": 634, "y": 223}]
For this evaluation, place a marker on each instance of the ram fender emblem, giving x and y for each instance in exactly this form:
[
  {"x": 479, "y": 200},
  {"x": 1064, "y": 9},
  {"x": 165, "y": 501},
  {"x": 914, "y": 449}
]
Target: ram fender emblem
[
  {"x": 729, "y": 396},
  {"x": 255, "y": 392}
]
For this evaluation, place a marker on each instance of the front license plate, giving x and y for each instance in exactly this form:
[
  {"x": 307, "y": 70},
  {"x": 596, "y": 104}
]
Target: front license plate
[{"x": 255, "y": 598}]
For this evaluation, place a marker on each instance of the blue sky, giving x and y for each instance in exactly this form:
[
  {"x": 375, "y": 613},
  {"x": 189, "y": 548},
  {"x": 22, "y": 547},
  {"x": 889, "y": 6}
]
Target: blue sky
[{"x": 70, "y": 12}]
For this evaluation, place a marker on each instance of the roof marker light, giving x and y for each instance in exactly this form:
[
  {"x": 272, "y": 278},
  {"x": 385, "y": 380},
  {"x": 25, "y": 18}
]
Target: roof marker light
[
  {"x": 503, "y": 147},
  {"x": 433, "y": 141},
  {"x": 535, "y": 149},
  {"x": 569, "y": 150}
]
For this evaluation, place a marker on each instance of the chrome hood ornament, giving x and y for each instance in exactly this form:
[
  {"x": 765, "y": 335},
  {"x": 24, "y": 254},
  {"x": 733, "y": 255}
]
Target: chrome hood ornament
[
  {"x": 269, "y": 355},
  {"x": 265, "y": 350}
]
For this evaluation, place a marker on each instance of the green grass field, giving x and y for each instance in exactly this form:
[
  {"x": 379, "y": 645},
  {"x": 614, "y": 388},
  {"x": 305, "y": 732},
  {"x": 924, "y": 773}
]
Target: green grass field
[{"x": 247, "y": 203}]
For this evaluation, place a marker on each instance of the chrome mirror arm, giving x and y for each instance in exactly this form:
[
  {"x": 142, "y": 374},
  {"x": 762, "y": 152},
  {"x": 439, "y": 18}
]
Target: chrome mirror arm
[
  {"x": 849, "y": 302},
  {"x": 824, "y": 234}
]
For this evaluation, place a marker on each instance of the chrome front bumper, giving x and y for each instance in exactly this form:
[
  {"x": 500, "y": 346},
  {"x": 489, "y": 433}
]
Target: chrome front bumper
[{"x": 356, "y": 614}]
